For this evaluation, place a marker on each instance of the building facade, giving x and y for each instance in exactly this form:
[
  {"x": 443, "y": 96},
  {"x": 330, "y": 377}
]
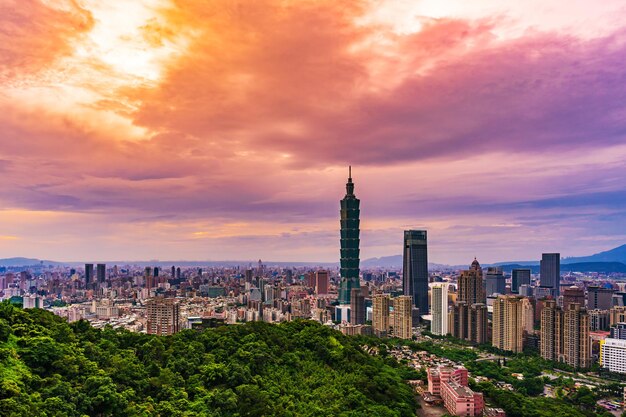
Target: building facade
[
  {"x": 451, "y": 385},
  {"x": 519, "y": 277},
  {"x": 613, "y": 355},
  {"x": 550, "y": 272},
  {"x": 162, "y": 316},
  {"x": 403, "y": 317},
  {"x": 508, "y": 323},
  {"x": 380, "y": 314},
  {"x": 470, "y": 285},
  {"x": 439, "y": 309},
  {"x": 415, "y": 268},
  {"x": 357, "y": 307}
]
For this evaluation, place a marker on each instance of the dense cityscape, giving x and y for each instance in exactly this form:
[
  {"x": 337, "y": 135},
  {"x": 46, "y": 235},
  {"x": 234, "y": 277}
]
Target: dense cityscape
[
  {"x": 576, "y": 323},
  {"x": 312, "y": 208}
]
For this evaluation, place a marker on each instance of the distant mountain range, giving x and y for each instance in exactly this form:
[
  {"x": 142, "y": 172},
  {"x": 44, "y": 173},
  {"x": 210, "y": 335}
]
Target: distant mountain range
[
  {"x": 27, "y": 262},
  {"x": 614, "y": 255},
  {"x": 613, "y": 260},
  {"x": 601, "y": 267}
]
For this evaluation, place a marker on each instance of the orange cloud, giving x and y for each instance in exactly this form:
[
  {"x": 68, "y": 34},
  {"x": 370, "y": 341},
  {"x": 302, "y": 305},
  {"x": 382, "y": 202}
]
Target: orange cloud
[{"x": 34, "y": 33}]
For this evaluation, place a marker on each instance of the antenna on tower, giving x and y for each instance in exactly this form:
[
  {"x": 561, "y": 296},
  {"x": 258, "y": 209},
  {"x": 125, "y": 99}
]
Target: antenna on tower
[{"x": 350, "y": 171}]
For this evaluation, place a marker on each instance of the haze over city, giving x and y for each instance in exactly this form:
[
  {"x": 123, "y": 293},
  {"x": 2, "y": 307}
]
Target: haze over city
[{"x": 223, "y": 130}]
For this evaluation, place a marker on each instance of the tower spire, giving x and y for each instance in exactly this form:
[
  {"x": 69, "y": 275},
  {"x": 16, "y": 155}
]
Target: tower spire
[{"x": 350, "y": 184}]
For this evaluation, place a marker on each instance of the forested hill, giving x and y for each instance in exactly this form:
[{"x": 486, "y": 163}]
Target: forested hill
[{"x": 51, "y": 368}]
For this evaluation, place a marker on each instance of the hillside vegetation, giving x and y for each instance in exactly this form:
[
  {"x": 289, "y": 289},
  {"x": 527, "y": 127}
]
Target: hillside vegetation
[{"x": 51, "y": 368}]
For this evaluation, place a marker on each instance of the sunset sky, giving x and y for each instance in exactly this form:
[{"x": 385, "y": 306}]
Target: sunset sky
[{"x": 213, "y": 130}]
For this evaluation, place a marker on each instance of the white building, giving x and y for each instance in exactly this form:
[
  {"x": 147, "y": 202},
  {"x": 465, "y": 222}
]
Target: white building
[
  {"x": 439, "y": 309},
  {"x": 613, "y": 355}
]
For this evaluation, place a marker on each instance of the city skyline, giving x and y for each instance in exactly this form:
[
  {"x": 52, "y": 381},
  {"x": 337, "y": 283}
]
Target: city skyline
[{"x": 148, "y": 130}]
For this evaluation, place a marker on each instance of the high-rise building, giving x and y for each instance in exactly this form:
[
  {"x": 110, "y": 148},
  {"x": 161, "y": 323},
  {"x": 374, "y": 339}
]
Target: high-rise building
[
  {"x": 576, "y": 340},
  {"x": 519, "y": 277},
  {"x": 619, "y": 331},
  {"x": 469, "y": 322},
  {"x": 619, "y": 299},
  {"x": 477, "y": 324},
  {"x": 88, "y": 275},
  {"x": 162, "y": 316},
  {"x": 357, "y": 307},
  {"x": 178, "y": 274},
  {"x": 403, "y": 317},
  {"x": 598, "y": 320},
  {"x": 380, "y": 314},
  {"x": 470, "y": 285},
  {"x": 599, "y": 298},
  {"x": 613, "y": 355},
  {"x": 508, "y": 323},
  {"x": 149, "y": 279},
  {"x": 321, "y": 282},
  {"x": 101, "y": 273},
  {"x": 439, "y": 309},
  {"x": 415, "y": 268},
  {"x": 550, "y": 272},
  {"x": 573, "y": 295},
  {"x": 173, "y": 273},
  {"x": 565, "y": 334},
  {"x": 495, "y": 282},
  {"x": 617, "y": 315},
  {"x": 551, "y": 340},
  {"x": 350, "y": 222}
]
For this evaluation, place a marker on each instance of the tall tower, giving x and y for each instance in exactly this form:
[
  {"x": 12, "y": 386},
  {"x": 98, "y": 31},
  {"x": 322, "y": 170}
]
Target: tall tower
[
  {"x": 551, "y": 340},
  {"x": 550, "y": 272},
  {"x": 439, "y": 322},
  {"x": 403, "y": 317},
  {"x": 519, "y": 277},
  {"x": 101, "y": 272},
  {"x": 350, "y": 222},
  {"x": 380, "y": 314},
  {"x": 415, "y": 268},
  {"x": 470, "y": 284},
  {"x": 508, "y": 323},
  {"x": 88, "y": 275},
  {"x": 357, "y": 307}
]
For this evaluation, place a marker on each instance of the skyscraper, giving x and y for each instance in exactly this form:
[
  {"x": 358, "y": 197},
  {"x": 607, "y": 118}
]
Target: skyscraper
[
  {"x": 495, "y": 281},
  {"x": 477, "y": 324},
  {"x": 439, "y": 307},
  {"x": 162, "y": 316},
  {"x": 599, "y": 298},
  {"x": 350, "y": 214},
  {"x": 321, "y": 282},
  {"x": 101, "y": 272},
  {"x": 572, "y": 295},
  {"x": 149, "y": 279},
  {"x": 519, "y": 277},
  {"x": 550, "y": 272},
  {"x": 415, "y": 268},
  {"x": 508, "y": 323},
  {"x": 403, "y": 317},
  {"x": 551, "y": 341},
  {"x": 88, "y": 275},
  {"x": 380, "y": 314},
  {"x": 471, "y": 285},
  {"x": 357, "y": 307},
  {"x": 565, "y": 334},
  {"x": 576, "y": 340}
]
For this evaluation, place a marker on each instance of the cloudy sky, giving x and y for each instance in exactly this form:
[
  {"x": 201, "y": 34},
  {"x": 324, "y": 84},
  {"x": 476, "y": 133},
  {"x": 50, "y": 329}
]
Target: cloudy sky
[{"x": 196, "y": 129}]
